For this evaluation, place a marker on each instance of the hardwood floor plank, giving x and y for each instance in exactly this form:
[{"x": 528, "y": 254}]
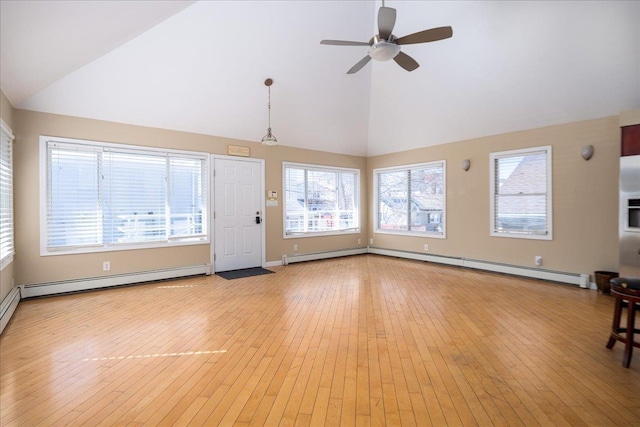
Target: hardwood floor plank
[
  {"x": 321, "y": 407},
  {"x": 186, "y": 416},
  {"x": 348, "y": 414}
]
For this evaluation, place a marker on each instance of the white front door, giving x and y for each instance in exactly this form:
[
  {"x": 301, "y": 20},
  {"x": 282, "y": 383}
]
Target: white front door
[{"x": 237, "y": 207}]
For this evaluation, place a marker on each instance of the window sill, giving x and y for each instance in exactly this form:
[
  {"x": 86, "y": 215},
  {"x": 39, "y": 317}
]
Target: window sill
[
  {"x": 124, "y": 247},
  {"x": 303, "y": 235},
  {"x": 523, "y": 236},
  {"x": 430, "y": 234}
]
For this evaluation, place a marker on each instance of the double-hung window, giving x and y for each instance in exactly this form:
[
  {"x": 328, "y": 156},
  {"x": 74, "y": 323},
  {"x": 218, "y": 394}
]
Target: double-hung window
[
  {"x": 101, "y": 196},
  {"x": 6, "y": 196},
  {"x": 411, "y": 199},
  {"x": 521, "y": 193},
  {"x": 320, "y": 200}
]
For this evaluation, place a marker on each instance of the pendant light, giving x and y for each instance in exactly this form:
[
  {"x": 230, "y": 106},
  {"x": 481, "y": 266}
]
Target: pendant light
[{"x": 269, "y": 139}]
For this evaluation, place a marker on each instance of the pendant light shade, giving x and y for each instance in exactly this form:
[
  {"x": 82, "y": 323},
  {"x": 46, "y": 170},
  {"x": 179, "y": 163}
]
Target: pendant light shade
[{"x": 269, "y": 138}]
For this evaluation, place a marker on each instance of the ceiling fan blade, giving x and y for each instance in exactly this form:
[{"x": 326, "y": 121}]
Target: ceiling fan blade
[
  {"x": 406, "y": 62},
  {"x": 344, "y": 43},
  {"x": 432, "y": 35},
  {"x": 386, "y": 22},
  {"x": 359, "y": 65}
]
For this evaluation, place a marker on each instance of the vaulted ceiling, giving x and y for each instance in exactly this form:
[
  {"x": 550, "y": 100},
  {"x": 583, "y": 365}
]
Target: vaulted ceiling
[{"x": 200, "y": 67}]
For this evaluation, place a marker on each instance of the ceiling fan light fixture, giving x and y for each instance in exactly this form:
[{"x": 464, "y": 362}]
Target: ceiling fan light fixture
[
  {"x": 384, "y": 51},
  {"x": 269, "y": 138}
]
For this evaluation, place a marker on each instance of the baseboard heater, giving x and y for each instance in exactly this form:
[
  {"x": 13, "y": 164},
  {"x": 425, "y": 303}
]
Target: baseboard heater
[
  {"x": 8, "y": 306},
  {"x": 290, "y": 259},
  {"x": 581, "y": 280},
  {"x": 52, "y": 288}
]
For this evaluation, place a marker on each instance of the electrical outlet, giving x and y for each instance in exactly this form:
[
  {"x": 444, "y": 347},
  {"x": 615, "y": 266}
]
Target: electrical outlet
[
  {"x": 538, "y": 260},
  {"x": 295, "y": 247},
  {"x": 106, "y": 266},
  {"x": 371, "y": 241},
  {"x": 426, "y": 247},
  {"x": 359, "y": 241}
]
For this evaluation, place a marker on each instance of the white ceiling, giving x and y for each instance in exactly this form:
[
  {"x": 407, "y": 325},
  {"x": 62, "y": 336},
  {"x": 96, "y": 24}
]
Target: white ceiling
[{"x": 200, "y": 67}]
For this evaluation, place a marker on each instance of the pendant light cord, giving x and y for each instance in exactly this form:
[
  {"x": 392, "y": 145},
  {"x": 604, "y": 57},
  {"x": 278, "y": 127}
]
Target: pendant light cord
[
  {"x": 269, "y": 138},
  {"x": 269, "y": 109}
]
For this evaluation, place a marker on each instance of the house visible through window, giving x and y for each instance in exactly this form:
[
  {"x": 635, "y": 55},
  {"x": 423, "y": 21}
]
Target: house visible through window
[
  {"x": 6, "y": 196},
  {"x": 320, "y": 200},
  {"x": 104, "y": 196},
  {"x": 411, "y": 199},
  {"x": 521, "y": 193}
]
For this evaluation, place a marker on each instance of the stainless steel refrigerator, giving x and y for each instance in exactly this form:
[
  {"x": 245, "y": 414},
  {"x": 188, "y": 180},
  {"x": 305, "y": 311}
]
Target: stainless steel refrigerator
[{"x": 630, "y": 216}]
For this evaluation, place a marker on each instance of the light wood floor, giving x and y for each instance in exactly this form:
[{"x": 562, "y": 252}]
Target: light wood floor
[{"x": 364, "y": 340}]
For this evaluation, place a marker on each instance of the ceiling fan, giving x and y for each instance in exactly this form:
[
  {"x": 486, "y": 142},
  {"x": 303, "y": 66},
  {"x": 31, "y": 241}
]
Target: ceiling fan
[{"x": 385, "y": 46}]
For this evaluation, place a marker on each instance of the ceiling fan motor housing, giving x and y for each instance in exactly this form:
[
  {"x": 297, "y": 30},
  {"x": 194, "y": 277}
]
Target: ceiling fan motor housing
[{"x": 383, "y": 50}]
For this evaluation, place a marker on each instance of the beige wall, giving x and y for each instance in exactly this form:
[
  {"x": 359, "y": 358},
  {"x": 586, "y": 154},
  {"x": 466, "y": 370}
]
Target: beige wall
[
  {"x": 629, "y": 118},
  {"x": 7, "y": 274},
  {"x": 6, "y": 110},
  {"x": 585, "y": 199},
  {"x": 32, "y": 268}
]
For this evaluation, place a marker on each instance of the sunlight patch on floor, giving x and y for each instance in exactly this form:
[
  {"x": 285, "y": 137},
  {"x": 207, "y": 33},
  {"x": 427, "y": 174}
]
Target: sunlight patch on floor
[
  {"x": 143, "y": 356},
  {"x": 177, "y": 286}
]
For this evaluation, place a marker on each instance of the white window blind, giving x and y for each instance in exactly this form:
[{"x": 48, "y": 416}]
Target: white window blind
[
  {"x": 74, "y": 216},
  {"x": 521, "y": 193},
  {"x": 102, "y": 196},
  {"x": 411, "y": 199},
  {"x": 186, "y": 196},
  {"x": 7, "y": 248},
  {"x": 320, "y": 200},
  {"x": 135, "y": 197}
]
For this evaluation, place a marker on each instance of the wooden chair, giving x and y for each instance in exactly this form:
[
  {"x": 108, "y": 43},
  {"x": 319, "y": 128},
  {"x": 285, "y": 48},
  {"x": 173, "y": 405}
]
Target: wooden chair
[{"x": 626, "y": 291}]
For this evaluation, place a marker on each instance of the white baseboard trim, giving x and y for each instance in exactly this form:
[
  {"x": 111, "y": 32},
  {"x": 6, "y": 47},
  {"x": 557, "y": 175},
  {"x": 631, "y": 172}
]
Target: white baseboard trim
[
  {"x": 290, "y": 259},
  {"x": 41, "y": 289},
  {"x": 579, "y": 279},
  {"x": 52, "y": 288},
  {"x": 8, "y": 307},
  {"x": 417, "y": 256},
  {"x": 273, "y": 263}
]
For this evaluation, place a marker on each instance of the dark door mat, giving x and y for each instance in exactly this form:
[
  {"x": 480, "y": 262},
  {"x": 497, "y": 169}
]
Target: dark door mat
[{"x": 245, "y": 272}]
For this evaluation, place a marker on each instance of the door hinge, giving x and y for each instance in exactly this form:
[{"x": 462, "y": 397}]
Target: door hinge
[{"x": 214, "y": 257}]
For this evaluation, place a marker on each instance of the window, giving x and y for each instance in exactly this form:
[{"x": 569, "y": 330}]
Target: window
[
  {"x": 411, "y": 199},
  {"x": 521, "y": 193},
  {"x": 320, "y": 200},
  {"x": 99, "y": 196},
  {"x": 6, "y": 196}
]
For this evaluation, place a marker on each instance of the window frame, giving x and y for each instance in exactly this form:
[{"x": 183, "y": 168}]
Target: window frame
[
  {"x": 8, "y": 258},
  {"x": 548, "y": 235},
  {"x": 406, "y": 168},
  {"x": 357, "y": 214},
  {"x": 205, "y": 238}
]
